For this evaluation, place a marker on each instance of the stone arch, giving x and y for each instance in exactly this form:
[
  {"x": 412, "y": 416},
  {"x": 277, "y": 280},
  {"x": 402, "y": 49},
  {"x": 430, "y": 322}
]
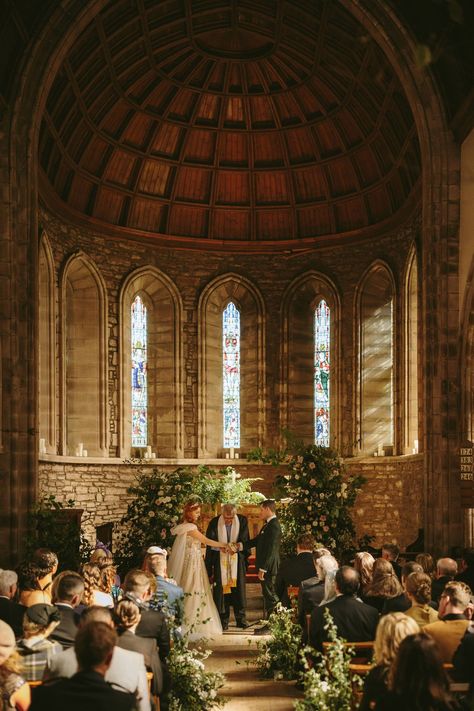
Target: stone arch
[
  {"x": 47, "y": 382},
  {"x": 213, "y": 299},
  {"x": 297, "y": 355},
  {"x": 411, "y": 366},
  {"x": 376, "y": 362},
  {"x": 164, "y": 357},
  {"x": 83, "y": 357}
]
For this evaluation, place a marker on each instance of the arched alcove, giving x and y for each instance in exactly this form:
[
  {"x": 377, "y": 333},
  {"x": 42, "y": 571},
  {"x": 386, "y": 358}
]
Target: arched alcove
[
  {"x": 376, "y": 339},
  {"x": 247, "y": 299},
  {"x": 298, "y": 356},
  {"x": 165, "y": 398},
  {"x": 411, "y": 356},
  {"x": 47, "y": 346},
  {"x": 84, "y": 358}
]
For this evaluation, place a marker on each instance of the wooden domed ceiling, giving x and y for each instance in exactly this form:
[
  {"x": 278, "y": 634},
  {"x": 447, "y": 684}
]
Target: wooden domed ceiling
[{"x": 243, "y": 120}]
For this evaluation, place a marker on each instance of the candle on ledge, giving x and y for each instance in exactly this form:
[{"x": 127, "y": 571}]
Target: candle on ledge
[
  {"x": 415, "y": 448},
  {"x": 80, "y": 448},
  {"x": 84, "y": 452},
  {"x": 153, "y": 455},
  {"x": 380, "y": 451},
  {"x": 231, "y": 452},
  {"x": 237, "y": 455},
  {"x": 42, "y": 446},
  {"x": 148, "y": 451},
  {"x": 227, "y": 455}
]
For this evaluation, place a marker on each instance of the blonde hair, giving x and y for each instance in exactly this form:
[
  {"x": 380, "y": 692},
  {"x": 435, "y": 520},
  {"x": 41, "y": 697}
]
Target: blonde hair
[
  {"x": 12, "y": 665},
  {"x": 127, "y": 614},
  {"x": 92, "y": 581},
  {"x": 104, "y": 561},
  {"x": 391, "y": 630},
  {"x": 364, "y": 563},
  {"x": 384, "y": 581}
]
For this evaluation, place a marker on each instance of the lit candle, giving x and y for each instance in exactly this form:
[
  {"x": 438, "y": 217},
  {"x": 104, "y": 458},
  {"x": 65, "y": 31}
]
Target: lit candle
[
  {"x": 231, "y": 452},
  {"x": 80, "y": 447},
  {"x": 227, "y": 455},
  {"x": 415, "y": 449},
  {"x": 148, "y": 451},
  {"x": 84, "y": 452}
]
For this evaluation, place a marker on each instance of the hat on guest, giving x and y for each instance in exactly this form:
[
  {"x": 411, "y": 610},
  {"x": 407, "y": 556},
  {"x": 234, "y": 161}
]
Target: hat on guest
[
  {"x": 43, "y": 614},
  {"x": 7, "y": 641},
  {"x": 156, "y": 550}
]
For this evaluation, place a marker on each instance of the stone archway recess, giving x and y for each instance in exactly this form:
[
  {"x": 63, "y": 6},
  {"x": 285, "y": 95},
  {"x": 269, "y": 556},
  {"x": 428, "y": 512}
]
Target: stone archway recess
[{"x": 19, "y": 130}]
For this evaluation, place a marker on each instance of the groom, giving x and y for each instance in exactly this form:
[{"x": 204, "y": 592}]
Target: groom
[{"x": 228, "y": 570}]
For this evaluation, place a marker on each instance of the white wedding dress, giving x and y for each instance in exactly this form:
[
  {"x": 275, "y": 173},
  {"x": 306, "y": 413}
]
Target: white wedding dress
[{"x": 186, "y": 566}]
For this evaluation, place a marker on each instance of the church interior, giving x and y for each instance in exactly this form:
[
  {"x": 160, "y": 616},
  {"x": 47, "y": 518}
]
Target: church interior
[{"x": 304, "y": 169}]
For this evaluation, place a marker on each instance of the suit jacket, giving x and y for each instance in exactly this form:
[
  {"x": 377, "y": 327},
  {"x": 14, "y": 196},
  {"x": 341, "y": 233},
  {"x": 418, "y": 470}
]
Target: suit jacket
[
  {"x": 438, "y": 585},
  {"x": 147, "y": 647},
  {"x": 463, "y": 660},
  {"x": 293, "y": 571},
  {"x": 267, "y": 547},
  {"x": 126, "y": 670},
  {"x": 447, "y": 633},
  {"x": 12, "y": 613},
  {"x": 65, "y": 632},
  {"x": 310, "y": 594},
  {"x": 85, "y": 690},
  {"x": 153, "y": 624},
  {"x": 355, "y": 621}
]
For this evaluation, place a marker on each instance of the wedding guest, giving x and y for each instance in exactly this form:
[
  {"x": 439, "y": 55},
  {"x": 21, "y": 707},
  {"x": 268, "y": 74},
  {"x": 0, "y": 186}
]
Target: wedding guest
[
  {"x": 110, "y": 580},
  {"x": 10, "y": 611},
  {"x": 446, "y": 570},
  {"x": 427, "y": 563},
  {"x": 14, "y": 690},
  {"x": 450, "y": 628},
  {"x": 384, "y": 586},
  {"x": 29, "y": 590},
  {"x": 94, "y": 589},
  {"x": 67, "y": 592},
  {"x": 355, "y": 621},
  {"x": 466, "y": 575},
  {"x": 294, "y": 570},
  {"x": 401, "y": 603},
  {"x": 34, "y": 647},
  {"x": 47, "y": 562},
  {"x": 152, "y": 623},
  {"x": 127, "y": 669},
  {"x": 364, "y": 564},
  {"x": 127, "y": 617},
  {"x": 311, "y": 591},
  {"x": 391, "y": 630},
  {"x": 87, "y": 689},
  {"x": 417, "y": 679},
  {"x": 327, "y": 568},
  {"x": 169, "y": 596},
  {"x": 418, "y": 591},
  {"x": 390, "y": 552},
  {"x": 227, "y": 571}
]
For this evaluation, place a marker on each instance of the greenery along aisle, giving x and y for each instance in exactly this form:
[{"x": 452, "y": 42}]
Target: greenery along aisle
[{"x": 317, "y": 496}]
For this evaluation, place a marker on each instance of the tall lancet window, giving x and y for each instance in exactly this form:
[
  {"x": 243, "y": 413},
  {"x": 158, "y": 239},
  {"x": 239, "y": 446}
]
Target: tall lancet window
[
  {"x": 231, "y": 374},
  {"x": 322, "y": 373},
  {"x": 139, "y": 374}
]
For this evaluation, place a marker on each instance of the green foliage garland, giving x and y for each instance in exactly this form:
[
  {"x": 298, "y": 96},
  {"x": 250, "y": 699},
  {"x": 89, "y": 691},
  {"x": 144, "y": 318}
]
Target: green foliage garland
[
  {"x": 316, "y": 497},
  {"x": 278, "y": 657}
]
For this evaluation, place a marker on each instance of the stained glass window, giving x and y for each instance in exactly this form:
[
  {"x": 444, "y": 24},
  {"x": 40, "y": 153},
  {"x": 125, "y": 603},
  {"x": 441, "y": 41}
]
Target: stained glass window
[
  {"x": 322, "y": 342},
  {"x": 231, "y": 374},
  {"x": 139, "y": 374}
]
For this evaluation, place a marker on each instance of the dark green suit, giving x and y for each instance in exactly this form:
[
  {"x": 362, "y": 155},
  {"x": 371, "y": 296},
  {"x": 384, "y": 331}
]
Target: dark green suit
[{"x": 267, "y": 546}]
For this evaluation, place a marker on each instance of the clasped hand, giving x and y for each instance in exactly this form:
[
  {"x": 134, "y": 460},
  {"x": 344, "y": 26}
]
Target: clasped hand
[{"x": 231, "y": 548}]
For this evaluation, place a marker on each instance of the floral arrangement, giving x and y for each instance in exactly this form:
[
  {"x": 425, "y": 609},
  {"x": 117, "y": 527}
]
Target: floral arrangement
[
  {"x": 225, "y": 486},
  {"x": 316, "y": 497},
  {"x": 278, "y": 657},
  {"x": 328, "y": 685}
]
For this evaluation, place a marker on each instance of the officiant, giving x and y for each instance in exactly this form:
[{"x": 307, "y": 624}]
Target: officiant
[{"x": 228, "y": 570}]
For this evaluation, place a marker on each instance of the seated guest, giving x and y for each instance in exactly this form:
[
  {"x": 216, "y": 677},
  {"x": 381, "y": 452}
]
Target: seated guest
[
  {"x": 295, "y": 569},
  {"x": 384, "y": 586},
  {"x": 391, "y": 629},
  {"x": 427, "y": 563},
  {"x": 311, "y": 592},
  {"x": 110, "y": 582},
  {"x": 466, "y": 575},
  {"x": 34, "y": 647},
  {"x": 87, "y": 689},
  {"x": 446, "y": 569},
  {"x": 401, "y": 603},
  {"x": 327, "y": 568},
  {"x": 418, "y": 591},
  {"x": 29, "y": 591},
  {"x": 47, "y": 562},
  {"x": 448, "y": 631},
  {"x": 355, "y": 621},
  {"x": 127, "y": 668},
  {"x": 10, "y": 611},
  {"x": 390, "y": 552},
  {"x": 364, "y": 564},
  {"x": 14, "y": 690},
  {"x": 152, "y": 623},
  {"x": 417, "y": 679},
  {"x": 169, "y": 595},
  {"x": 127, "y": 618},
  {"x": 94, "y": 590},
  {"x": 67, "y": 592}
]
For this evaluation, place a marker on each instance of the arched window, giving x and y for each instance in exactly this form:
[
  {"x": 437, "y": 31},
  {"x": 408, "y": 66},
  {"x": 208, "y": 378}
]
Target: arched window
[
  {"x": 231, "y": 374},
  {"x": 322, "y": 345},
  {"x": 411, "y": 357},
  {"x": 376, "y": 343},
  {"x": 47, "y": 348},
  {"x": 139, "y": 337}
]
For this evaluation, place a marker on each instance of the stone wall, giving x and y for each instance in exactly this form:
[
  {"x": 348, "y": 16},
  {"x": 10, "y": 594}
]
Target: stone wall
[{"x": 389, "y": 506}]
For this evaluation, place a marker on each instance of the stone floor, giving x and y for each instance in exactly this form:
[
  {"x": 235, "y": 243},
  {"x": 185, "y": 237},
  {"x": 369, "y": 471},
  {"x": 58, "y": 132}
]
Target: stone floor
[{"x": 243, "y": 689}]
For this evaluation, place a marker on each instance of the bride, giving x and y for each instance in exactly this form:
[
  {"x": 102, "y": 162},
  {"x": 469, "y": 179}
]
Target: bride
[{"x": 186, "y": 565}]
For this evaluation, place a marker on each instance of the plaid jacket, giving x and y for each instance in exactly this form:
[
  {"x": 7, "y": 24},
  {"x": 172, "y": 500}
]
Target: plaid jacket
[{"x": 35, "y": 655}]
